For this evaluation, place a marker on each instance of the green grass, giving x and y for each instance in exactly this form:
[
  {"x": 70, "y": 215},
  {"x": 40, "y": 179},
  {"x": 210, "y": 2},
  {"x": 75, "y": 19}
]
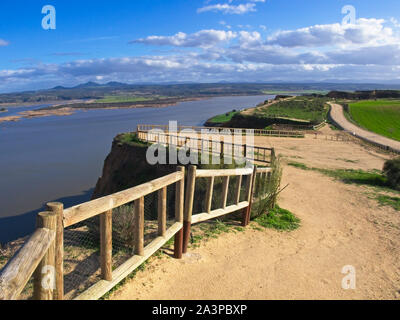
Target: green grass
[
  {"x": 222, "y": 118},
  {"x": 350, "y": 176},
  {"x": 130, "y": 139},
  {"x": 122, "y": 99},
  {"x": 386, "y": 200},
  {"x": 299, "y": 165},
  {"x": 307, "y": 109},
  {"x": 380, "y": 116},
  {"x": 279, "y": 219}
]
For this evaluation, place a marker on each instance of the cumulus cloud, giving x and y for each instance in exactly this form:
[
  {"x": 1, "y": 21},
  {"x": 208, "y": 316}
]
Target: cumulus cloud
[
  {"x": 366, "y": 32},
  {"x": 368, "y": 50},
  {"x": 203, "y": 38}
]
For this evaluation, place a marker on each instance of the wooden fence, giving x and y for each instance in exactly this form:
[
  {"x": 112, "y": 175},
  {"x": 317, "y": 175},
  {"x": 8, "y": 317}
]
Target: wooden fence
[
  {"x": 44, "y": 251},
  {"x": 220, "y": 130},
  {"x": 248, "y": 173},
  {"x": 38, "y": 253},
  {"x": 210, "y": 146}
]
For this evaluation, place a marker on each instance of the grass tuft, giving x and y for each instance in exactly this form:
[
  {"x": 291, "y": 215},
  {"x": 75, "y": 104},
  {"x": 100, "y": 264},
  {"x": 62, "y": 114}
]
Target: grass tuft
[
  {"x": 279, "y": 219},
  {"x": 385, "y": 200}
]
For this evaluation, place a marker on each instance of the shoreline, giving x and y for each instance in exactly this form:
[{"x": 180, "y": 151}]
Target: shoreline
[
  {"x": 69, "y": 110},
  {"x": 62, "y": 109}
]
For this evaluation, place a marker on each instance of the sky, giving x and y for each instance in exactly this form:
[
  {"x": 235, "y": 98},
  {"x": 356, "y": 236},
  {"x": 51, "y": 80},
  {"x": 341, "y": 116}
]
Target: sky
[{"x": 161, "y": 41}]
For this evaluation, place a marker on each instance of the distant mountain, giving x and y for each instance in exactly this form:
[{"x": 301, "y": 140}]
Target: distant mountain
[{"x": 86, "y": 85}]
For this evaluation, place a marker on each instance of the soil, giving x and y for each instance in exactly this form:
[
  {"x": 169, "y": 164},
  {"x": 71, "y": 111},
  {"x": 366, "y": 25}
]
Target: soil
[{"x": 341, "y": 224}]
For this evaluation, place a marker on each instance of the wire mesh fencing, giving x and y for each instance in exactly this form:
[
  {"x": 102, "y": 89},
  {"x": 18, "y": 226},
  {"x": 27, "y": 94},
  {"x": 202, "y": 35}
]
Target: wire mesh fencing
[{"x": 82, "y": 267}]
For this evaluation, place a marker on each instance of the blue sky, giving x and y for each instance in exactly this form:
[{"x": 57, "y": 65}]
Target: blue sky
[{"x": 197, "y": 40}]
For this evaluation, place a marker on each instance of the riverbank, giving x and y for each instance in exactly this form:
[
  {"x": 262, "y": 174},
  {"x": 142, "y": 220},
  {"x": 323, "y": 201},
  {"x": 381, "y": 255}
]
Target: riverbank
[
  {"x": 62, "y": 109},
  {"x": 61, "y": 158}
]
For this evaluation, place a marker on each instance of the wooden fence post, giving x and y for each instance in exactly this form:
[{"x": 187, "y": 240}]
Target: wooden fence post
[
  {"x": 238, "y": 187},
  {"x": 139, "y": 227},
  {"x": 179, "y": 207},
  {"x": 250, "y": 191},
  {"x": 225, "y": 189},
  {"x": 209, "y": 194},
  {"x": 162, "y": 212},
  {"x": 44, "y": 278},
  {"x": 58, "y": 209},
  {"x": 273, "y": 156},
  {"x": 106, "y": 245},
  {"x": 190, "y": 187}
]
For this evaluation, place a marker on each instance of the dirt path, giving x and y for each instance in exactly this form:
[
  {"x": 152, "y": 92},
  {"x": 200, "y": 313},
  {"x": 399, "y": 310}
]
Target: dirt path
[
  {"x": 341, "y": 225},
  {"x": 338, "y": 116}
]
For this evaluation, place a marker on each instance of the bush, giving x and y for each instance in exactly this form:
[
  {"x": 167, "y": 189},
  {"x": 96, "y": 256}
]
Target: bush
[{"x": 392, "y": 171}]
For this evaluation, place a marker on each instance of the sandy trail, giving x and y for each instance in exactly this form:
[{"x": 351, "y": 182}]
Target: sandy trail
[
  {"x": 341, "y": 225},
  {"x": 338, "y": 116}
]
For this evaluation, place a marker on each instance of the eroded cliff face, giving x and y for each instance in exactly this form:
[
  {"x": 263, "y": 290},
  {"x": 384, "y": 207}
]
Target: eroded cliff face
[{"x": 125, "y": 167}]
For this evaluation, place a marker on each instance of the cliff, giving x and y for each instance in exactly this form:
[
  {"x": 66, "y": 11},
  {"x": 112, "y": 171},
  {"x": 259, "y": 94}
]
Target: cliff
[{"x": 126, "y": 167}]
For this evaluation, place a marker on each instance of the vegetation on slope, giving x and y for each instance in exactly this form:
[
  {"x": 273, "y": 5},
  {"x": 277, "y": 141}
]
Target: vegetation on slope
[
  {"x": 223, "y": 118},
  {"x": 392, "y": 172},
  {"x": 309, "y": 109},
  {"x": 303, "y": 111},
  {"x": 379, "y": 116},
  {"x": 386, "y": 181}
]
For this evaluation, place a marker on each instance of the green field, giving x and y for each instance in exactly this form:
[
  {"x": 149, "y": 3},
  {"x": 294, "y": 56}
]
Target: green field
[
  {"x": 122, "y": 99},
  {"x": 309, "y": 109},
  {"x": 380, "y": 116}
]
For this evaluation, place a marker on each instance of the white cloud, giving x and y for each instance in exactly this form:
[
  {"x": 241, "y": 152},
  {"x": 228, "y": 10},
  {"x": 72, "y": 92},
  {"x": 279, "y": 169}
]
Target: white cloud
[
  {"x": 249, "y": 39},
  {"x": 229, "y": 8},
  {"x": 395, "y": 22},
  {"x": 369, "y": 50},
  {"x": 203, "y": 38},
  {"x": 366, "y": 32},
  {"x": 3, "y": 43}
]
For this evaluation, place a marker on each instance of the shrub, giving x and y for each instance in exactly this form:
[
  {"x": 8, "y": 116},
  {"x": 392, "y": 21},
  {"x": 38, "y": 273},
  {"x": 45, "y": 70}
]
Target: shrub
[{"x": 392, "y": 171}]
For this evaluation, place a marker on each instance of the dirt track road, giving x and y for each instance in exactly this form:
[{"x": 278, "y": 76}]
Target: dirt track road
[
  {"x": 341, "y": 225},
  {"x": 338, "y": 116}
]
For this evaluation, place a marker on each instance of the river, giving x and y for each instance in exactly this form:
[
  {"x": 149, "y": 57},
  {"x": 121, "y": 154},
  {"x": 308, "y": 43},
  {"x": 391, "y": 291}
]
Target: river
[{"x": 60, "y": 158}]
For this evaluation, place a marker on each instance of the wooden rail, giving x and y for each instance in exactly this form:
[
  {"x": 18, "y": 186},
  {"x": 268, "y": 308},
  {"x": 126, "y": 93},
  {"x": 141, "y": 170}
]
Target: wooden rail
[
  {"x": 90, "y": 209},
  {"x": 210, "y": 146},
  {"x": 104, "y": 207},
  {"x": 194, "y": 174},
  {"x": 219, "y": 130},
  {"x": 34, "y": 257},
  {"x": 42, "y": 255}
]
